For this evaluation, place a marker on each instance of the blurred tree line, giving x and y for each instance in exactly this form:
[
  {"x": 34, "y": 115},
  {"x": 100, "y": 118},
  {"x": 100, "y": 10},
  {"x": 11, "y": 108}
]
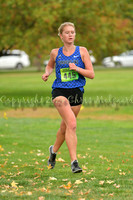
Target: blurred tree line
[{"x": 104, "y": 26}]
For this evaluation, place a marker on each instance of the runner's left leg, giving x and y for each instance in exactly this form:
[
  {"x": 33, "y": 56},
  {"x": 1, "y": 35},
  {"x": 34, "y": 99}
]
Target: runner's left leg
[
  {"x": 68, "y": 116},
  {"x": 60, "y": 137}
]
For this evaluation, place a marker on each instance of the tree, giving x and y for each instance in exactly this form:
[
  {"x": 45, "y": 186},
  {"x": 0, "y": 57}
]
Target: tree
[{"x": 103, "y": 26}]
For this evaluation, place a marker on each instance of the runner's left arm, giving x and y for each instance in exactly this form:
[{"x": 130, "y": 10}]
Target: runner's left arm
[{"x": 88, "y": 72}]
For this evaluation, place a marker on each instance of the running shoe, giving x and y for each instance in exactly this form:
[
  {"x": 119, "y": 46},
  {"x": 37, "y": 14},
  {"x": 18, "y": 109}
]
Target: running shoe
[
  {"x": 52, "y": 157},
  {"x": 75, "y": 167}
]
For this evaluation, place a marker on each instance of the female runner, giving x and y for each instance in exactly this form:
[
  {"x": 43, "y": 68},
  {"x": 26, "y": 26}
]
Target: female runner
[{"x": 73, "y": 64}]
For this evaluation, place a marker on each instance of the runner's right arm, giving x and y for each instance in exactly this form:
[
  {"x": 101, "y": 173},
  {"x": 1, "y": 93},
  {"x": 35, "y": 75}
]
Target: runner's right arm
[{"x": 50, "y": 66}]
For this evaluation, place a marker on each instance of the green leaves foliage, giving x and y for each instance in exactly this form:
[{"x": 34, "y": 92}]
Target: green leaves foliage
[{"x": 103, "y": 26}]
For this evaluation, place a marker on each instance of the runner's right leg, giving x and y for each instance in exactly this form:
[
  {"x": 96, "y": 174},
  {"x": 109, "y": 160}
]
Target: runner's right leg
[{"x": 60, "y": 137}]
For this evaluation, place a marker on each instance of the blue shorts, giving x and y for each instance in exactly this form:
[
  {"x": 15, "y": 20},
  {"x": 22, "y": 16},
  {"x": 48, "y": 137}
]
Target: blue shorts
[{"x": 74, "y": 95}]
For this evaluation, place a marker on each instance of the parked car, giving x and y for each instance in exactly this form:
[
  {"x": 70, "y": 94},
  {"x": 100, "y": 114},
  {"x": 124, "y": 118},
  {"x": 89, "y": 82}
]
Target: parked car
[
  {"x": 93, "y": 59},
  {"x": 11, "y": 59},
  {"x": 123, "y": 60}
]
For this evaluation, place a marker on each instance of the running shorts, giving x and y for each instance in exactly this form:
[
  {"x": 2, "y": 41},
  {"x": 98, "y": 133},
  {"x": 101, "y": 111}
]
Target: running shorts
[{"x": 74, "y": 95}]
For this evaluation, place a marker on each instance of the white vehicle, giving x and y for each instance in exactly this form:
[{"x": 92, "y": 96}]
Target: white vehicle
[
  {"x": 123, "y": 60},
  {"x": 11, "y": 59},
  {"x": 93, "y": 59}
]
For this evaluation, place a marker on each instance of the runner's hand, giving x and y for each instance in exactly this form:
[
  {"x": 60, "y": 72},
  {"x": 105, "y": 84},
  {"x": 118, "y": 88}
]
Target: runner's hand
[
  {"x": 72, "y": 66},
  {"x": 45, "y": 76}
]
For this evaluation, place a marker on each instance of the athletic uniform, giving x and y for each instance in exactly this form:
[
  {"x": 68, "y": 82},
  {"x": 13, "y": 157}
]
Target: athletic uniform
[{"x": 69, "y": 83}]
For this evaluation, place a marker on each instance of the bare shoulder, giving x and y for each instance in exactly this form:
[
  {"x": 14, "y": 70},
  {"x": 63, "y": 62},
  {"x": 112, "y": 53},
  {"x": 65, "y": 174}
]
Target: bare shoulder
[
  {"x": 84, "y": 53},
  {"x": 83, "y": 50},
  {"x": 54, "y": 53}
]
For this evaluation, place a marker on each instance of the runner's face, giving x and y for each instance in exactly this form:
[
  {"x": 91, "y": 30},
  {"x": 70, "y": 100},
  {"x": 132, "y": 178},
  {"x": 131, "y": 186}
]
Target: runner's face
[{"x": 68, "y": 34}]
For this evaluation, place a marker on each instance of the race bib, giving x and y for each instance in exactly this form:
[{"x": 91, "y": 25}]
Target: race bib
[{"x": 68, "y": 75}]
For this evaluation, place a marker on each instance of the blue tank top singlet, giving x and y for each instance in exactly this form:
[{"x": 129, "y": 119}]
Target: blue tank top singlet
[{"x": 66, "y": 78}]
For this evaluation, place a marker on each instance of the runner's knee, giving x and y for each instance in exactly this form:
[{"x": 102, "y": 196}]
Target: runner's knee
[{"x": 72, "y": 125}]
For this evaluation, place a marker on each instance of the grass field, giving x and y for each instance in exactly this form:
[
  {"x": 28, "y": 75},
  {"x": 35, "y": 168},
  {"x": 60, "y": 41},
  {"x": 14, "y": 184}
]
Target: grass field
[
  {"x": 105, "y": 150},
  {"x": 108, "y": 84}
]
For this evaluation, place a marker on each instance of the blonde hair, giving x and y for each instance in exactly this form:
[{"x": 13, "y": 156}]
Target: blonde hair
[{"x": 60, "y": 29}]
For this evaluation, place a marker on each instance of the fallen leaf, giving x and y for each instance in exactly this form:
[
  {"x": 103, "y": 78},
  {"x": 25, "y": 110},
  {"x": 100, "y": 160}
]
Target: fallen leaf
[
  {"x": 79, "y": 156},
  {"x": 93, "y": 178},
  {"x": 82, "y": 107},
  {"x": 37, "y": 163},
  {"x": 46, "y": 190},
  {"x": 84, "y": 167},
  {"x": 66, "y": 165},
  {"x": 3, "y": 191},
  {"x": 116, "y": 186},
  {"x": 109, "y": 182},
  {"x": 87, "y": 192},
  {"x": 49, "y": 167},
  {"x": 108, "y": 168},
  {"x": 60, "y": 160},
  {"x": 21, "y": 186},
  {"x": 70, "y": 191},
  {"x": 90, "y": 171},
  {"x": 1, "y": 149},
  {"x": 122, "y": 173},
  {"x": 68, "y": 186},
  {"x": 14, "y": 184},
  {"x": 64, "y": 179},
  {"x": 52, "y": 179},
  {"x": 29, "y": 193},
  {"x": 61, "y": 186},
  {"x": 43, "y": 189},
  {"x": 101, "y": 182},
  {"x": 81, "y": 193},
  {"x": 41, "y": 198},
  {"x": 86, "y": 181},
  {"x": 111, "y": 194},
  {"x": 78, "y": 182},
  {"x": 68, "y": 194},
  {"x": 5, "y": 115}
]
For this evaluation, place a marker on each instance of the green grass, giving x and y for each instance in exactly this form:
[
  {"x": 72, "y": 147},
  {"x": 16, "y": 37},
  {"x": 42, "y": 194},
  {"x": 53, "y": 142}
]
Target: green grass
[
  {"x": 110, "y": 84},
  {"x": 104, "y": 147}
]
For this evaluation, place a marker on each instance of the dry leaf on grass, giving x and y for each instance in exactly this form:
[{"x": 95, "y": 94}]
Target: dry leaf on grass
[
  {"x": 78, "y": 182},
  {"x": 66, "y": 165},
  {"x": 108, "y": 168},
  {"x": 84, "y": 167},
  {"x": 14, "y": 184},
  {"x": 49, "y": 167},
  {"x": 116, "y": 186},
  {"x": 122, "y": 173},
  {"x": 5, "y": 115},
  {"x": 64, "y": 179},
  {"x": 101, "y": 182},
  {"x": 41, "y": 198},
  {"x": 1, "y": 148},
  {"x": 109, "y": 182},
  {"x": 70, "y": 191},
  {"x": 52, "y": 179},
  {"x": 68, "y": 186},
  {"x": 60, "y": 160},
  {"x": 111, "y": 194},
  {"x": 29, "y": 193}
]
